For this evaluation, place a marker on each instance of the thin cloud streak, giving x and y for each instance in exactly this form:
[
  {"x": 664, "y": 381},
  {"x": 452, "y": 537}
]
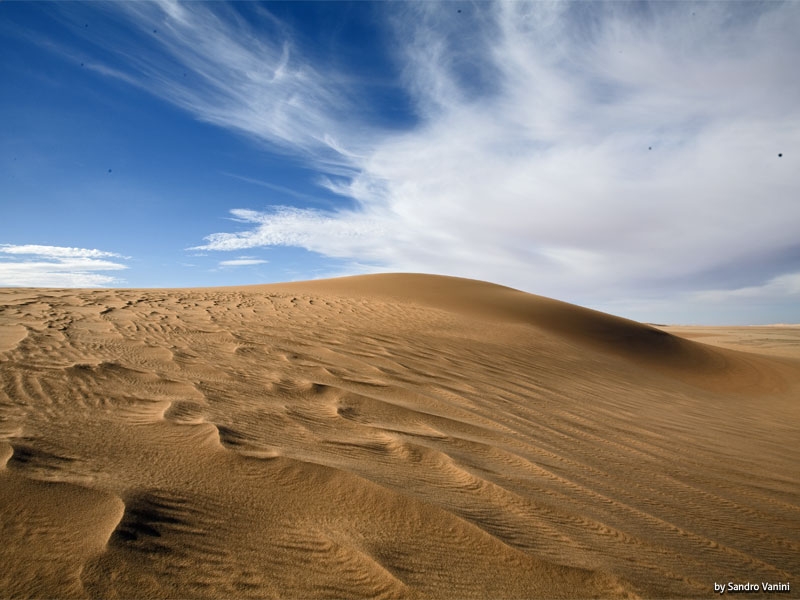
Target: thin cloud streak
[
  {"x": 274, "y": 187},
  {"x": 289, "y": 226},
  {"x": 225, "y": 73},
  {"x": 242, "y": 262}
]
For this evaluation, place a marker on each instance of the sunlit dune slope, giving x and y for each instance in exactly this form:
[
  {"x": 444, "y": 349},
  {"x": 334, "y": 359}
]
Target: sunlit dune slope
[
  {"x": 384, "y": 436},
  {"x": 705, "y": 366}
]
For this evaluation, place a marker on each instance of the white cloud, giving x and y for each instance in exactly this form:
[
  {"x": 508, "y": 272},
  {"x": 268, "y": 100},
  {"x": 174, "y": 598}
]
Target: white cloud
[
  {"x": 56, "y": 251},
  {"x": 56, "y": 266},
  {"x": 244, "y": 261},
  {"x": 311, "y": 229}
]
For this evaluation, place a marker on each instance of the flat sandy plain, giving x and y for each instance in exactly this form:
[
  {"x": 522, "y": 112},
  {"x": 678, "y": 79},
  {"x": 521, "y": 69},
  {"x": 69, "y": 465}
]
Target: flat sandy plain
[{"x": 388, "y": 436}]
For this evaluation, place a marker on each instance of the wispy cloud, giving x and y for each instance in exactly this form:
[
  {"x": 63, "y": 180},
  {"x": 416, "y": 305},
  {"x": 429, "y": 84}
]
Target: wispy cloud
[
  {"x": 242, "y": 261},
  {"x": 288, "y": 226},
  {"x": 782, "y": 288},
  {"x": 60, "y": 252},
  {"x": 210, "y": 61},
  {"x": 32, "y": 265}
]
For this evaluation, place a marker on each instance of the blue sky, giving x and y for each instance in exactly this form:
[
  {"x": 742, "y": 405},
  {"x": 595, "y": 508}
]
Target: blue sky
[{"x": 640, "y": 159}]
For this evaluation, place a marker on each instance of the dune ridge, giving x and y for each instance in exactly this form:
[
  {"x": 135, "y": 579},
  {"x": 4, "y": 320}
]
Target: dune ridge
[{"x": 386, "y": 436}]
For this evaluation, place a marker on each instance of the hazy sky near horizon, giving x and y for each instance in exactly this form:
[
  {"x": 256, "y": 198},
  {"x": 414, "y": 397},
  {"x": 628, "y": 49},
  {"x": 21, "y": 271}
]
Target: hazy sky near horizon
[{"x": 637, "y": 158}]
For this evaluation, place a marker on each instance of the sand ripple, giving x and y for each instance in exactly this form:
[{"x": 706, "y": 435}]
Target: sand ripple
[{"x": 386, "y": 437}]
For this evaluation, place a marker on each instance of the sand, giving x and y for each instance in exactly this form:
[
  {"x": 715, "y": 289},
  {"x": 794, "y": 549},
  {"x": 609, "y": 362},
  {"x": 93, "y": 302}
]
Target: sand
[{"x": 388, "y": 436}]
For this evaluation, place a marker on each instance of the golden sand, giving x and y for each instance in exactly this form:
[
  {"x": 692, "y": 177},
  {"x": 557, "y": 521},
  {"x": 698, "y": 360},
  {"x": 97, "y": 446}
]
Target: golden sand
[{"x": 387, "y": 436}]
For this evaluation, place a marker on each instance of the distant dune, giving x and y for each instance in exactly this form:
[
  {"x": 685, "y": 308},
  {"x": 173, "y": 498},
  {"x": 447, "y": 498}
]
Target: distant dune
[{"x": 388, "y": 436}]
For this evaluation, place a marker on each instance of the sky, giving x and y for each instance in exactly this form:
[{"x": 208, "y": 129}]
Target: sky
[{"x": 642, "y": 159}]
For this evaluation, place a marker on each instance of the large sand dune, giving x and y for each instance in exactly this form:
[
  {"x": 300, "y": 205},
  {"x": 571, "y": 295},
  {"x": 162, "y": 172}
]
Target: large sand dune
[{"x": 387, "y": 436}]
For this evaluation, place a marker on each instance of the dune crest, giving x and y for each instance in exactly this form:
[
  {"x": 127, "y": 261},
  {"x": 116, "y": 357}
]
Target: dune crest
[
  {"x": 704, "y": 365},
  {"x": 385, "y": 436}
]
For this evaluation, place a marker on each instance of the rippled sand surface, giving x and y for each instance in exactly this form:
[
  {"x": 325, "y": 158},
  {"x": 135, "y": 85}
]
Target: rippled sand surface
[{"x": 387, "y": 436}]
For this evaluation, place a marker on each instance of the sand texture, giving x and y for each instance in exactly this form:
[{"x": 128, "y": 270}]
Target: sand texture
[{"x": 387, "y": 436}]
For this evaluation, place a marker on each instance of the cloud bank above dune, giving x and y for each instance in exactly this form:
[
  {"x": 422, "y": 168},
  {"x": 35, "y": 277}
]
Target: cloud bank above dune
[
  {"x": 576, "y": 150},
  {"x": 597, "y": 152}
]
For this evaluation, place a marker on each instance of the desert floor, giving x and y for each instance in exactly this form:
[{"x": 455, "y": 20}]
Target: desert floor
[{"x": 388, "y": 436}]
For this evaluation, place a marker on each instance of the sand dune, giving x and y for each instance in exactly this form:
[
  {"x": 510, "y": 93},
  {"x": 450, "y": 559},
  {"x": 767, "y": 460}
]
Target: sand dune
[{"x": 387, "y": 436}]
